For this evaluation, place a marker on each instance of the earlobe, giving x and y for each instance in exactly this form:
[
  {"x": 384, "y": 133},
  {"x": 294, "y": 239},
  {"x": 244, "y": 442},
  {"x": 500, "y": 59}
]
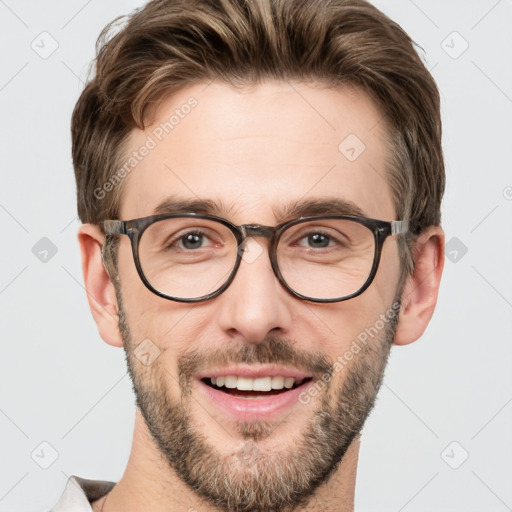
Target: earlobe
[
  {"x": 420, "y": 294},
  {"x": 100, "y": 289}
]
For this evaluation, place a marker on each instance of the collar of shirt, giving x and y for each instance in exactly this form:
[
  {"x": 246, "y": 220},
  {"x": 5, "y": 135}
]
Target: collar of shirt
[{"x": 79, "y": 493}]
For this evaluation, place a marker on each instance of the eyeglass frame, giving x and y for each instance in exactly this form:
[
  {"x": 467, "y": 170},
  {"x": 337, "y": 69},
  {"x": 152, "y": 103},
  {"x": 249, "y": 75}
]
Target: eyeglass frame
[{"x": 135, "y": 228}]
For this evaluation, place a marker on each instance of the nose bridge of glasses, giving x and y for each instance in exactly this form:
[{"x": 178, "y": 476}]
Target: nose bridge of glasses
[
  {"x": 254, "y": 230},
  {"x": 252, "y": 251}
]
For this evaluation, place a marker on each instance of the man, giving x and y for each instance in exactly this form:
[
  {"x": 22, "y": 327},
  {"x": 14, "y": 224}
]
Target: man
[{"x": 259, "y": 185}]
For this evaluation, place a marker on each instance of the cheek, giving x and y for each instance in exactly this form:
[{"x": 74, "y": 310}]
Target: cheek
[
  {"x": 148, "y": 316},
  {"x": 336, "y": 325},
  {"x": 172, "y": 327},
  {"x": 339, "y": 329},
  {"x": 165, "y": 329}
]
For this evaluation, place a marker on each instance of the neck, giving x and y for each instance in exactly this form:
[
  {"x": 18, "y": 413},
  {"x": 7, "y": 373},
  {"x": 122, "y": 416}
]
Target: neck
[{"x": 148, "y": 483}]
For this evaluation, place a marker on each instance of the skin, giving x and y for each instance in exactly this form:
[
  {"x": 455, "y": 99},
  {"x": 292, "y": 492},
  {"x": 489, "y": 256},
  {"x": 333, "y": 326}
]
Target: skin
[{"x": 254, "y": 150}]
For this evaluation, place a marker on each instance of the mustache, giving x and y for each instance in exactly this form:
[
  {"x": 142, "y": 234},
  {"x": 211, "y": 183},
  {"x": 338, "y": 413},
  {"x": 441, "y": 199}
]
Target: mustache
[{"x": 271, "y": 350}]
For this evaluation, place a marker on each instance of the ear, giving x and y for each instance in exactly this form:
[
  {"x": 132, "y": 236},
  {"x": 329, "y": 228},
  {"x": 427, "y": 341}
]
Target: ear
[
  {"x": 420, "y": 292},
  {"x": 100, "y": 289}
]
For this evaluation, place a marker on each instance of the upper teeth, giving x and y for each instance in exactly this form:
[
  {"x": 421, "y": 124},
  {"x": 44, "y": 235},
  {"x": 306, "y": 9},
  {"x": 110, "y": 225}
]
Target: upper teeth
[{"x": 247, "y": 384}]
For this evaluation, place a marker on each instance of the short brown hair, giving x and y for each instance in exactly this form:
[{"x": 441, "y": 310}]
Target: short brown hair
[{"x": 169, "y": 44}]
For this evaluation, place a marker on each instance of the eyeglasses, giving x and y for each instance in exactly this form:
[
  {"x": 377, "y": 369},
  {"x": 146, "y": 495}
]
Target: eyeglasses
[{"x": 191, "y": 257}]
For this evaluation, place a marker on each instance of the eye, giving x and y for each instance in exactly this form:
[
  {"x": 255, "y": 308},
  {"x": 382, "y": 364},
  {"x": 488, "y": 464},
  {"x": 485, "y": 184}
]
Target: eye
[
  {"x": 316, "y": 240},
  {"x": 190, "y": 241},
  {"x": 321, "y": 239}
]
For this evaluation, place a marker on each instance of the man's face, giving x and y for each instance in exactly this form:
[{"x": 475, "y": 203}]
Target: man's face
[{"x": 252, "y": 153}]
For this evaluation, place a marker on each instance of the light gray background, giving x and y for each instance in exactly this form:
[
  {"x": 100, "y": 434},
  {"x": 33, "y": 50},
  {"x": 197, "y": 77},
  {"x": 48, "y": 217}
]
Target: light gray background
[{"x": 62, "y": 385}]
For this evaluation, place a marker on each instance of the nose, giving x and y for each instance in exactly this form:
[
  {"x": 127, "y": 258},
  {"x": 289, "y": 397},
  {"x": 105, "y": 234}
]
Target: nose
[{"x": 255, "y": 304}]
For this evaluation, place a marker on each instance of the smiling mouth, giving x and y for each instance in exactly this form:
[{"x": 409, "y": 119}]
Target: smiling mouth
[{"x": 262, "y": 387}]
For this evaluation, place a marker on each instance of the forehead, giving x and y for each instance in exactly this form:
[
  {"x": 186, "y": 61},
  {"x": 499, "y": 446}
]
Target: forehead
[{"x": 259, "y": 150}]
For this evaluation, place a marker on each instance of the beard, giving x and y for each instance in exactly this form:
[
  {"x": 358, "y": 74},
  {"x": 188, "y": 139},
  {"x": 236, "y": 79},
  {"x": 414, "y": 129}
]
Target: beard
[{"x": 250, "y": 478}]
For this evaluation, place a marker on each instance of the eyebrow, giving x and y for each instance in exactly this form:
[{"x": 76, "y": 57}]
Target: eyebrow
[
  {"x": 303, "y": 208},
  {"x": 284, "y": 212},
  {"x": 203, "y": 206}
]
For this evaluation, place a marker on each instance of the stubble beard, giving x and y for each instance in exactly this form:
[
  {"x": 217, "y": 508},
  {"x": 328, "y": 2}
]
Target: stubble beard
[{"x": 250, "y": 479}]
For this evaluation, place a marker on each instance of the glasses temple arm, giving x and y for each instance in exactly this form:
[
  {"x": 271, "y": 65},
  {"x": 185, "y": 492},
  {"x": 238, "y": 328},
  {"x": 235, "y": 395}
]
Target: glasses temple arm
[
  {"x": 399, "y": 227},
  {"x": 114, "y": 227}
]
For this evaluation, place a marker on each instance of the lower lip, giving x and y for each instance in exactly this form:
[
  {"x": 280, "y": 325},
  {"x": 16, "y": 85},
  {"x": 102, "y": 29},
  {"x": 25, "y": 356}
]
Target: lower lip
[{"x": 256, "y": 408}]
